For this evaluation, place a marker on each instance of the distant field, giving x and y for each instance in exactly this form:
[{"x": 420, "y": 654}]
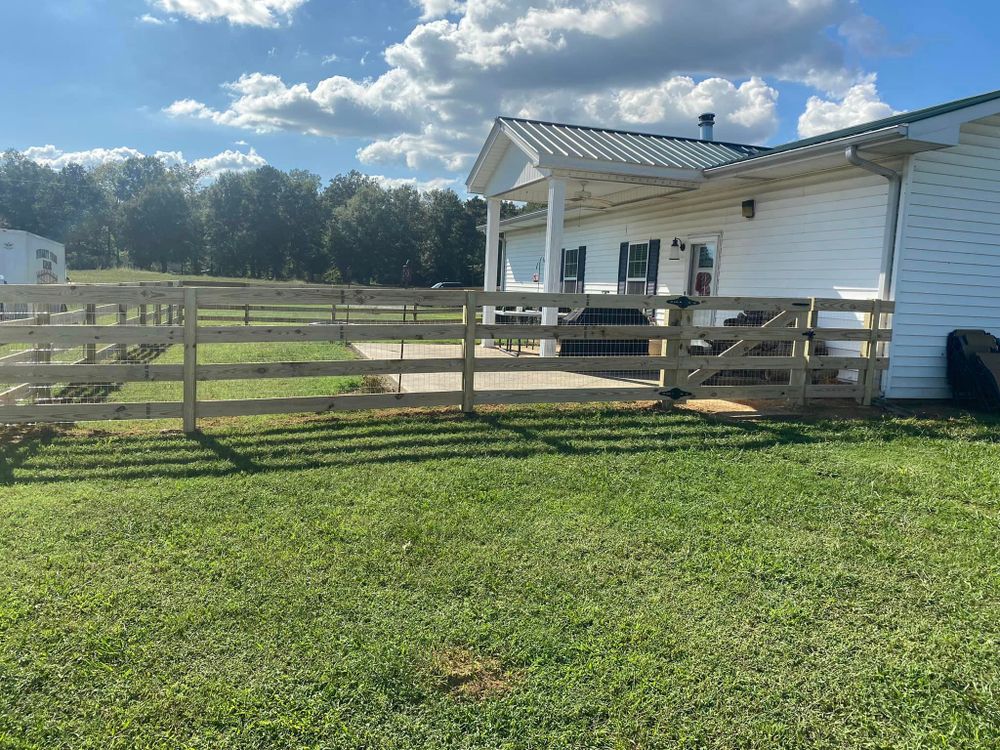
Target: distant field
[{"x": 114, "y": 275}]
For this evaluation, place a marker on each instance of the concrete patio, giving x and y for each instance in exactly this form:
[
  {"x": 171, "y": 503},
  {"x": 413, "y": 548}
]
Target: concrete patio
[{"x": 452, "y": 381}]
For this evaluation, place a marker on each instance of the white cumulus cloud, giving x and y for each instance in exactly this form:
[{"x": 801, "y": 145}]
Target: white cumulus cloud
[
  {"x": 56, "y": 158},
  {"x": 861, "y": 103},
  {"x": 267, "y": 13},
  {"x": 229, "y": 161},
  {"x": 616, "y": 63},
  {"x": 437, "y": 183},
  {"x": 438, "y": 8},
  {"x": 212, "y": 166}
]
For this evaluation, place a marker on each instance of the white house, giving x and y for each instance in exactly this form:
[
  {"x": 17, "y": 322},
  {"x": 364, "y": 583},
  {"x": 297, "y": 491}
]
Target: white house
[{"x": 906, "y": 209}]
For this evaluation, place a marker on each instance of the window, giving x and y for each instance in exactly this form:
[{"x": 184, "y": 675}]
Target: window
[
  {"x": 571, "y": 270},
  {"x": 47, "y": 265},
  {"x": 636, "y": 269}
]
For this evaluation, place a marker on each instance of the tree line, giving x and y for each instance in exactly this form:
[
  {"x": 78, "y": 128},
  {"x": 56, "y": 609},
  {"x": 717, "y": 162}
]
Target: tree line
[{"x": 265, "y": 223}]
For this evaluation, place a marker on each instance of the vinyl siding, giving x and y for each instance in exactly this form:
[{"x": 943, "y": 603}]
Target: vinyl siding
[
  {"x": 948, "y": 263},
  {"x": 818, "y": 236}
]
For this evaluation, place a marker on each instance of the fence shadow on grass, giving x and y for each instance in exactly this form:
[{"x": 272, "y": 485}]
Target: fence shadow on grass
[{"x": 49, "y": 455}]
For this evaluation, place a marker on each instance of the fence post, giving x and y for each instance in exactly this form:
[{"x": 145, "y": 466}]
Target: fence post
[
  {"x": 810, "y": 347},
  {"x": 143, "y": 321},
  {"x": 246, "y": 314},
  {"x": 670, "y": 348},
  {"x": 170, "y": 306},
  {"x": 469, "y": 354},
  {"x": 874, "y": 321},
  {"x": 122, "y": 349},
  {"x": 797, "y": 380},
  {"x": 189, "y": 408},
  {"x": 90, "y": 319},
  {"x": 43, "y": 355}
]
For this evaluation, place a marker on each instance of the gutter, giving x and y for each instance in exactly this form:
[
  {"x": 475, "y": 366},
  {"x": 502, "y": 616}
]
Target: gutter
[
  {"x": 782, "y": 155},
  {"x": 891, "y": 216}
]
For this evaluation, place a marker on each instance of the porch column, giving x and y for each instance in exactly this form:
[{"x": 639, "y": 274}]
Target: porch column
[
  {"x": 491, "y": 262},
  {"x": 553, "y": 251}
]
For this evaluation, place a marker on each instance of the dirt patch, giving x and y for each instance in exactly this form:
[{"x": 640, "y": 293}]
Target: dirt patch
[
  {"x": 843, "y": 409},
  {"x": 463, "y": 674}
]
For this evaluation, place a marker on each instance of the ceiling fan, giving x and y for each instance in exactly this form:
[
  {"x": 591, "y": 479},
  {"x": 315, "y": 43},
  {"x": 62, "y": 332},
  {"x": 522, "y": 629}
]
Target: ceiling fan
[{"x": 583, "y": 198}]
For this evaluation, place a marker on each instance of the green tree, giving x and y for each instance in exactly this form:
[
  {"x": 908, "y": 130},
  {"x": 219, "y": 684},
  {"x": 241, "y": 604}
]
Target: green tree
[{"x": 159, "y": 228}]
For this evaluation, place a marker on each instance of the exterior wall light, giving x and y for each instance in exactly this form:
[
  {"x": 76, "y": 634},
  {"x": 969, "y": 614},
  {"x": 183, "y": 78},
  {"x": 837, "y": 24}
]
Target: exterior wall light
[
  {"x": 749, "y": 209},
  {"x": 676, "y": 248}
]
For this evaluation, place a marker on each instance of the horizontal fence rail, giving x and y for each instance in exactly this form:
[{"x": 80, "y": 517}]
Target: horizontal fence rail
[{"x": 68, "y": 351}]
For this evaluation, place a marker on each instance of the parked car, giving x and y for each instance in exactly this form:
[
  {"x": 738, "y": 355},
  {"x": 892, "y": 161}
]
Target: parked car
[{"x": 448, "y": 285}]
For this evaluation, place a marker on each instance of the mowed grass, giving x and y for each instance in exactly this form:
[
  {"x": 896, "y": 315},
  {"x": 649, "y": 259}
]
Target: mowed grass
[
  {"x": 257, "y": 388},
  {"x": 529, "y": 578}
]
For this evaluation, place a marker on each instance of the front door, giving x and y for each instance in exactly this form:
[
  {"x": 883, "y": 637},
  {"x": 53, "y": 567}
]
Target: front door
[{"x": 704, "y": 280}]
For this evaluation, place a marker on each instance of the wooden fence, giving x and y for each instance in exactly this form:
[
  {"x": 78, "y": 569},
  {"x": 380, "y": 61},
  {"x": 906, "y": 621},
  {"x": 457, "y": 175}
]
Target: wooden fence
[{"x": 684, "y": 359}]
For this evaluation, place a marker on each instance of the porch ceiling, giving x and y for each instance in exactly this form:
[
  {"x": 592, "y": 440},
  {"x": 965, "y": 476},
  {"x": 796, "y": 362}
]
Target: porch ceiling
[{"x": 617, "y": 193}]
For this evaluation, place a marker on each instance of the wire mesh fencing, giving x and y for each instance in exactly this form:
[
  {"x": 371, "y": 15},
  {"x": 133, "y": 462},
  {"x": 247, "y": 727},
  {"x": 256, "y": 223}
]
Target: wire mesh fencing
[{"x": 219, "y": 351}]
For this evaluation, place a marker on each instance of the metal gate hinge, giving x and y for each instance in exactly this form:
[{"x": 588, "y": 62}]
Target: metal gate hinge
[
  {"x": 683, "y": 302},
  {"x": 675, "y": 394}
]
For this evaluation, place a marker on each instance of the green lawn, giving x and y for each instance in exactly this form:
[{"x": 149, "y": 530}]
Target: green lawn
[
  {"x": 531, "y": 578},
  {"x": 259, "y": 388}
]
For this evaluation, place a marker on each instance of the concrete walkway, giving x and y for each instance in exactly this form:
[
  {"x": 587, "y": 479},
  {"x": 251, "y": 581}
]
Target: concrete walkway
[{"x": 485, "y": 381}]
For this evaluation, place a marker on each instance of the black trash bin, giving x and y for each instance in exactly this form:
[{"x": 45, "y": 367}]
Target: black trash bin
[{"x": 974, "y": 369}]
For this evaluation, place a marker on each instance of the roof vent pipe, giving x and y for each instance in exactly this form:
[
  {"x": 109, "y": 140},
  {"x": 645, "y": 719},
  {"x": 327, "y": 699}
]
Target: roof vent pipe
[{"x": 705, "y": 124}]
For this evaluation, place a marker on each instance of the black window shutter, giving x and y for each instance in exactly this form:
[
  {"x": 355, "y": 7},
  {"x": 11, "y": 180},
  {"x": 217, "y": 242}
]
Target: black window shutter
[
  {"x": 653, "y": 266},
  {"x": 562, "y": 268},
  {"x": 581, "y": 267},
  {"x": 622, "y": 267}
]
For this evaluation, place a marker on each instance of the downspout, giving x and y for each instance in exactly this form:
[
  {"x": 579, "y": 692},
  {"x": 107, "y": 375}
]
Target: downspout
[
  {"x": 891, "y": 217},
  {"x": 885, "y": 290}
]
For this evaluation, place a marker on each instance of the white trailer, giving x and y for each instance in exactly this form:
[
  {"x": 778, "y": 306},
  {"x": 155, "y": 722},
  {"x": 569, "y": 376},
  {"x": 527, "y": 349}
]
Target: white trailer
[{"x": 26, "y": 258}]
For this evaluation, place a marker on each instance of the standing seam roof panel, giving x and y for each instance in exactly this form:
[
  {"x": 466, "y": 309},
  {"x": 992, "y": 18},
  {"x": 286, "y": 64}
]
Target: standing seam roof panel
[
  {"x": 584, "y": 145},
  {"x": 666, "y": 155},
  {"x": 618, "y": 148},
  {"x": 630, "y": 144},
  {"x": 573, "y": 146},
  {"x": 544, "y": 141},
  {"x": 625, "y": 147},
  {"x": 595, "y": 145}
]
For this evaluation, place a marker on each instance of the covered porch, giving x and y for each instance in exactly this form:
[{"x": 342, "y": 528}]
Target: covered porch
[{"x": 583, "y": 172}]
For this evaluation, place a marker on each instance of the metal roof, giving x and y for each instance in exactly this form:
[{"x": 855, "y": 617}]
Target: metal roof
[
  {"x": 904, "y": 118},
  {"x": 623, "y": 146}
]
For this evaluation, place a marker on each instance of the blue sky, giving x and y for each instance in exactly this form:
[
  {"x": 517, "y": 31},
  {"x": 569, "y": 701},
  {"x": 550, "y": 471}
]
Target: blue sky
[{"x": 407, "y": 89}]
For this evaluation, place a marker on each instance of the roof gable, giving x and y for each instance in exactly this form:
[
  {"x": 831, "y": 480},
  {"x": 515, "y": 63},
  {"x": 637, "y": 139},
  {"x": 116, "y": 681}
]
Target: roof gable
[
  {"x": 550, "y": 144},
  {"x": 623, "y": 146}
]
